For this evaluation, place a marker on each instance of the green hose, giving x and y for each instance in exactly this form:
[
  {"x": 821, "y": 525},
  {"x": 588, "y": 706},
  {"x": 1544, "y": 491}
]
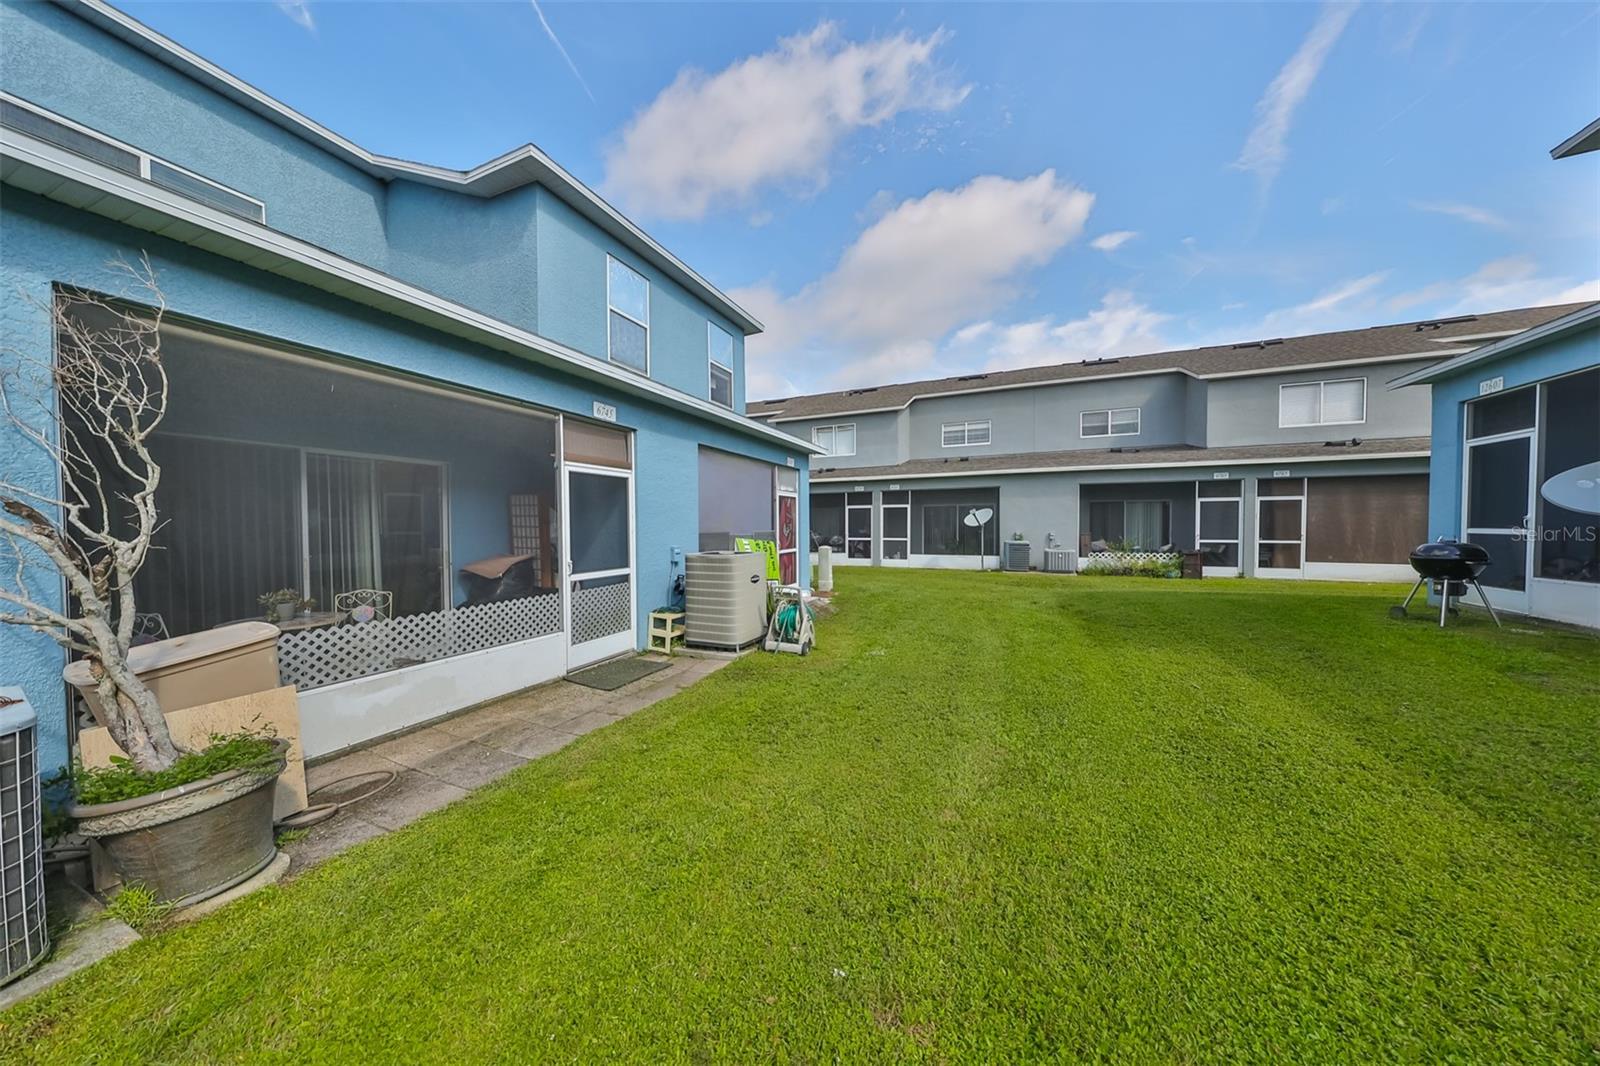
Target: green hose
[{"x": 787, "y": 624}]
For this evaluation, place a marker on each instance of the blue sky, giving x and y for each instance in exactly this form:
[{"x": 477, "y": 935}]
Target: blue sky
[{"x": 908, "y": 191}]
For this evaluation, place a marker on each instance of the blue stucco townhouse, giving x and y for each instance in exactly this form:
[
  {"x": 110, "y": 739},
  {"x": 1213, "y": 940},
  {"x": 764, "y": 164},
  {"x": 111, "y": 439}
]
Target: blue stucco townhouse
[
  {"x": 486, "y": 395},
  {"x": 1516, "y": 455}
]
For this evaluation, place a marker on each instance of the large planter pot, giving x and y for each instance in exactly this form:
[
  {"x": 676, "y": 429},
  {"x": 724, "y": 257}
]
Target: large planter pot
[{"x": 189, "y": 843}]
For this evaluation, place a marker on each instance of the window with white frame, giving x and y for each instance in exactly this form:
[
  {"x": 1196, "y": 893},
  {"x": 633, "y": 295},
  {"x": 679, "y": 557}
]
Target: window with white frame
[
  {"x": 964, "y": 434},
  {"x": 719, "y": 353},
  {"x": 628, "y": 312},
  {"x": 1114, "y": 422},
  {"x": 835, "y": 440},
  {"x": 1322, "y": 403}
]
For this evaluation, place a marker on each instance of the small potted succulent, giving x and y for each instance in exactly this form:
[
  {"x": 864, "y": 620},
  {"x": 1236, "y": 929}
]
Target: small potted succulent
[{"x": 283, "y": 604}]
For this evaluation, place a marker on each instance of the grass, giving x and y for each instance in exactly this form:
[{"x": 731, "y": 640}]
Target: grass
[{"x": 990, "y": 818}]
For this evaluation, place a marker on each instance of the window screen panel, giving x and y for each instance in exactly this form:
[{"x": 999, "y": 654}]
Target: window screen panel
[
  {"x": 222, "y": 199},
  {"x": 585, "y": 442},
  {"x": 953, "y": 434},
  {"x": 1219, "y": 520},
  {"x": 1095, "y": 423},
  {"x": 629, "y": 291},
  {"x": 1497, "y": 484},
  {"x": 896, "y": 522},
  {"x": 630, "y": 345},
  {"x": 722, "y": 386},
  {"x": 844, "y": 440},
  {"x": 1344, "y": 401},
  {"x": 1125, "y": 421},
  {"x": 736, "y": 498},
  {"x": 1365, "y": 519},
  {"x": 1569, "y": 499},
  {"x": 1300, "y": 405},
  {"x": 1504, "y": 413},
  {"x": 977, "y": 433},
  {"x": 61, "y": 135}
]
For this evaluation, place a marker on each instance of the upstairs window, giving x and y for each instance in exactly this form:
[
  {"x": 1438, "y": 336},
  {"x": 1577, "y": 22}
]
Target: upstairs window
[
  {"x": 628, "y": 303},
  {"x": 1115, "y": 422},
  {"x": 719, "y": 353},
  {"x": 1322, "y": 403},
  {"x": 964, "y": 434},
  {"x": 835, "y": 440}
]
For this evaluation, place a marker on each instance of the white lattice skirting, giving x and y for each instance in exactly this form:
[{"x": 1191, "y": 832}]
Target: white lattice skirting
[
  {"x": 312, "y": 658},
  {"x": 1112, "y": 560},
  {"x": 601, "y": 611}
]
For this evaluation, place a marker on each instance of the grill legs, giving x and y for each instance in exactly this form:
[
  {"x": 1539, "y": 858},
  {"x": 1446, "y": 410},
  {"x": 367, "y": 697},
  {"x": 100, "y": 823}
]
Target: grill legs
[
  {"x": 1444, "y": 601},
  {"x": 1486, "y": 603}
]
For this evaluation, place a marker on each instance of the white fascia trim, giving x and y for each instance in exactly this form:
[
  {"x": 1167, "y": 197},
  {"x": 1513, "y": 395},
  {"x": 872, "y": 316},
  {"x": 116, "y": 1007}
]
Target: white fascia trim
[
  {"x": 1551, "y": 330},
  {"x": 17, "y": 149},
  {"x": 388, "y": 168},
  {"x": 1334, "y": 364},
  {"x": 1211, "y": 464}
]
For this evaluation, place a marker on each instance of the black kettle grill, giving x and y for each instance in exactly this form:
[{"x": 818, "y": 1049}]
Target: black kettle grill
[{"x": 1451, "y": 565}]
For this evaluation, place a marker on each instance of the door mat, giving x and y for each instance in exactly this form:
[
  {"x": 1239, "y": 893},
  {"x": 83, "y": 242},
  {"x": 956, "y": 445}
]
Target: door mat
[{"x": 610, "y": 676}]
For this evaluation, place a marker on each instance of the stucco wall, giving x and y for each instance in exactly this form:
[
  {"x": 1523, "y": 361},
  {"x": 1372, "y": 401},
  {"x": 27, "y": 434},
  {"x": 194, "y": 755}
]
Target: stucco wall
[
  {"x": 572, "y": 303},
  {"x": 46, "y": 242},
  {"x": 879, "y": 439},
  {"x": 1245, "y": 410},
  {"x": 523, "y": 256},
  {"x": 1562, "y": 356},
  {"x": 1039, "y": 504}
]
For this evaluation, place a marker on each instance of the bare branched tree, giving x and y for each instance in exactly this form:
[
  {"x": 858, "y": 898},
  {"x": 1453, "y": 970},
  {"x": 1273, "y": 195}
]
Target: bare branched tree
[{"x": 91, "y": 407}]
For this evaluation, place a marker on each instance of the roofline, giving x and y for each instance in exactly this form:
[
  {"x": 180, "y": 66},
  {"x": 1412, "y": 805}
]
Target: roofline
[
  {"x": 520, "y": 166},
  {"x": 1548, "y": 331},
  {"x": 1439, "y": 353},
  {"x": 1185, "y": 464},
  {"x": 123, "y": 197},
  {"x": 1575, "y": 145}
]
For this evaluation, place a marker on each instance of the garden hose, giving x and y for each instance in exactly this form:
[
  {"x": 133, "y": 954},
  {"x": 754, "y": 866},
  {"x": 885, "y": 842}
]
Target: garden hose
[
  {"x": 786, "y": 623},
  {"x": 318, "y": 813}
]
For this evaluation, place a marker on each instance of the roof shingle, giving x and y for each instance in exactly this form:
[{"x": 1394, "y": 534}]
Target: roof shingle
[{"x": 1357, "y": 345}]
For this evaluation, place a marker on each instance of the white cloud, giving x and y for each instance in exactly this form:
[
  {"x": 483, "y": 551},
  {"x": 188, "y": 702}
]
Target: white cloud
[
  {"x": 550, "y": 33},
  {"x": 299, "y": 11},
  {"x": 1110, "y": 242},
  {"x": 1121, "y": 325},
  {"x": 1513, "y": 281},
  {"x": 1478, "y": 216},
  {"x": 774, "y": 119},
  {"x": 1266, "y": 148},
  {"x": 926, "y": 266},
  {"x": 1339, "y": 295}
]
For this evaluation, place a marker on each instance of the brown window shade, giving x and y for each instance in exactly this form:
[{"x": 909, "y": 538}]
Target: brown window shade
[
  {"x": 1366, "y": 519},
  {"x": 586, "y": 443}
]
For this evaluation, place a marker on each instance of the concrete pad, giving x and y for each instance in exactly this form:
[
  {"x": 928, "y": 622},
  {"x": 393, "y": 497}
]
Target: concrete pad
[
  {"x": 344, "y": 830},
  {"x": 535, "y": 741},
  {"x": 470, "y": 764},
  {"x": 473, "y": 724},
  {"x": 271, "y": 874},
  {"x": 586, "y": 722},
  {"x": 416, "y": 747},
  {"x": 89, "y": 936},
  {"x": 341, "y": 766},
  {"x": 409, "y": 798}
]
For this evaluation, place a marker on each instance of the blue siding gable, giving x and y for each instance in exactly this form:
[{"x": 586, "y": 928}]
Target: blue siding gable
[{"x": 524, "y": 255}]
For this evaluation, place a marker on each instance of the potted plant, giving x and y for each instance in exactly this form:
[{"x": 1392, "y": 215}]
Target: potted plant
[
  {"x": 194, "y": 822},
  {"x": 283, "y": 604}
]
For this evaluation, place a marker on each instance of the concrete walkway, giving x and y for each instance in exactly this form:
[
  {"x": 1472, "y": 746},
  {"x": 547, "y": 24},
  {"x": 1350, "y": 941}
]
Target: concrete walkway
[{"x": 440, "y": 763}]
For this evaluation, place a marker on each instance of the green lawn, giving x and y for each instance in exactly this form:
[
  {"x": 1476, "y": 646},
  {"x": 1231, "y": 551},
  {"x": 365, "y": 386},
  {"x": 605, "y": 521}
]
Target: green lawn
[{"x": 992, "y": 817}]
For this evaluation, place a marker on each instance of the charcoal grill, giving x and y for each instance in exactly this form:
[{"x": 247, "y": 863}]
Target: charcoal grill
[{"x": 1451, "y": 565}]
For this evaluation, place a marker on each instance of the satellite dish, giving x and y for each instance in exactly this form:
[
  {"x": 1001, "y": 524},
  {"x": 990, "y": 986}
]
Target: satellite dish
[{"x": 979, "y": 516}]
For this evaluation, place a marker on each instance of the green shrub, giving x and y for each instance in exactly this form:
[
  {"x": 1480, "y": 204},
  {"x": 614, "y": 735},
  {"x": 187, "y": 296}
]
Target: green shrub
[
  {"x": 122, "y": 780},
  {"x": 1133, "y": 568}
]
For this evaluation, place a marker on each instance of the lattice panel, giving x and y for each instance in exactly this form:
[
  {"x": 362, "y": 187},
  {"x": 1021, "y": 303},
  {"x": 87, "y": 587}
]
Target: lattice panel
[
  {"x": 1094, "y": 559},
  {"x": 312, "y": 658},
  {"x": 601, "y": 611}
]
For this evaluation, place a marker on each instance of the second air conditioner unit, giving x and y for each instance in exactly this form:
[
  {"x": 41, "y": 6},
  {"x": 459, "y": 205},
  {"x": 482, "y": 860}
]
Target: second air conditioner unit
[{"x": 724, "y": 599}]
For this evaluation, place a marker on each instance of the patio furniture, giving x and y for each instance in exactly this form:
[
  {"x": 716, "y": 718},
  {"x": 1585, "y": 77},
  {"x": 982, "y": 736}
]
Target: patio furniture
[
  {"x": 148, "y": 628},
  {"x": 312, "y": 620},
  {"x": 666, "y": 630},
  {"x": 365, "y": 605}
]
